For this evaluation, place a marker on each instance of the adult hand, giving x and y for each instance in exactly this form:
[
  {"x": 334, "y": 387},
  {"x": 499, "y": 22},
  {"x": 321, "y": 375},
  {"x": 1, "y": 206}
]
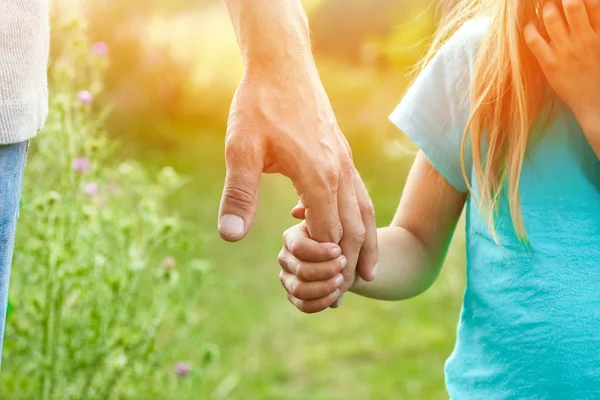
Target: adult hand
[{"x": 282, "y": 122}]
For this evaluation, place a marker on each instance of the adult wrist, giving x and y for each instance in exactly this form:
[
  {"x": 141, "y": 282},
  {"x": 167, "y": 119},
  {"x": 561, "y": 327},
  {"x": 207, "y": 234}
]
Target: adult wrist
[{"x": 279, "y": 50}]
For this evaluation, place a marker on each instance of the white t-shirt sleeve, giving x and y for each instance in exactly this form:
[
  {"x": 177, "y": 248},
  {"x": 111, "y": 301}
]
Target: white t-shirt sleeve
[{"x": 435, "y": 109}]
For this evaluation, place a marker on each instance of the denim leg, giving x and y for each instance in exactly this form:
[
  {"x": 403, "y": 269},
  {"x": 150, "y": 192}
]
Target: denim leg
[{"x": 12, "y": 165}]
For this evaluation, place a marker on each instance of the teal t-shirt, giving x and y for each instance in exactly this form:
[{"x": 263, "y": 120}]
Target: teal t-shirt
[{"x": 530, "y": 323}]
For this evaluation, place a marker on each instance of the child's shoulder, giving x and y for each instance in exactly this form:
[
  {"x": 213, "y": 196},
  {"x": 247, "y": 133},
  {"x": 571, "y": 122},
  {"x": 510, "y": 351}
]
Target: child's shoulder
[{"x": 468, "y": 37}]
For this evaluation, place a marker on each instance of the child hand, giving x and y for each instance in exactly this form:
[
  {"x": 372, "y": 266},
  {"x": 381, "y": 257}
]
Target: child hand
[
  {"x": 571, "y": 59},
  {"x": 310, "y": 271}
]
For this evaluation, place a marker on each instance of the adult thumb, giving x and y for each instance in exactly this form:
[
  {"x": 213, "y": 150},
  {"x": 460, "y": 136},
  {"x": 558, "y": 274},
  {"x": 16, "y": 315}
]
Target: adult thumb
[{"x": 241, "y": 191}]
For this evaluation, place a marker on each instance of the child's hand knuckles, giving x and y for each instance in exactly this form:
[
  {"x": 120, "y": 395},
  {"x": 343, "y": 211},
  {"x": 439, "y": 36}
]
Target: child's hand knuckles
[
  {"x": 572, "y": 6},
  {"x": 297, "y": 247},
  {"x": 284, "y": 278},
  {"x": 282, "y": 258},
  {"x": 550, "y": 15},
  {"x": 305, "y": 272},
  {"x": 550, "y": 66},
  {"x": 296, "y": 290},
  {"x": 591, "y": 42}
]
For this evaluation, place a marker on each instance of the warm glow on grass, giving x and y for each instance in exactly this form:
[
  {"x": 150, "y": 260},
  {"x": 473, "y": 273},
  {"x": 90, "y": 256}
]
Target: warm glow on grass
[{"x": 202, "y": 38}]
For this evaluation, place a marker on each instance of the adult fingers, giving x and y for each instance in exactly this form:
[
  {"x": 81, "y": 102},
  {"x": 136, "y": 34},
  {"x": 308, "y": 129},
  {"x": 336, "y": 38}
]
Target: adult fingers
[
  {"x": 354, "y": 230},
  {"x": 367, "y": 260},
  {"x": 244, "y": 160},
  {"x": 538, "y": 45},
  {"x": 319, "y": 196},
  {"x": 577, "y": 18},
  {"x": 297, "y": 242},
  {"x": 555, "y": 25},
  {"x": 309, "y": 290}
]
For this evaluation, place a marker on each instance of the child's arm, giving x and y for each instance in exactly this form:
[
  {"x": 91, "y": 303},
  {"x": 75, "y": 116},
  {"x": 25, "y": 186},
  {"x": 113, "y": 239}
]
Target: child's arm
[{"x": 411, "y": 250}]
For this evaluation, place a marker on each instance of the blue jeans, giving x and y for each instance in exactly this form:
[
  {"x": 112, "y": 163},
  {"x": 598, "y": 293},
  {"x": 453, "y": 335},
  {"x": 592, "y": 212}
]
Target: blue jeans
[{"x": 12, "y": 165}]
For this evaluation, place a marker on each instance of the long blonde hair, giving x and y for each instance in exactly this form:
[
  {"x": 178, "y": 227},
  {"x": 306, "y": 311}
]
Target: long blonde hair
[{"x": 507, "y": 96}]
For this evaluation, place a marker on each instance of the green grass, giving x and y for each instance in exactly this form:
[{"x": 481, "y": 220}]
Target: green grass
[{"x": 364, "y": 350}]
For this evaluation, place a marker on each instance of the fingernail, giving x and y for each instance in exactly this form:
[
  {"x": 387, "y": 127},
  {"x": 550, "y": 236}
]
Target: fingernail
[
  {"x": 339, "y": 279},
  {"x": 339, "y": 301},
  {"x": 375, "y": 270},
  {"x": 343, "y": 261},
  {"x": 231, "y": 225},
  {"x": 335, "y": 251}
]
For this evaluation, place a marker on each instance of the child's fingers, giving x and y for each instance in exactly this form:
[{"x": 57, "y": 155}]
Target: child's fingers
[
  {"x": 593, "y": 8},
  {"x": 309, "y": 271},
  {"x": 538, "y": 45},
  {"x": 577, "y": 18},
  {"x": 297, "y": 242},
  {"x": 314, "y": 306},
  {"x": 309, "y": 290},
  {"x": 555, "y": 25}
]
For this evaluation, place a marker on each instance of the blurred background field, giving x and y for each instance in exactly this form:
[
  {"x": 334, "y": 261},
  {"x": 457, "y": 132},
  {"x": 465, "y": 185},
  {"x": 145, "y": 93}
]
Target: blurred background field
[{"x": 171, "y": 70}]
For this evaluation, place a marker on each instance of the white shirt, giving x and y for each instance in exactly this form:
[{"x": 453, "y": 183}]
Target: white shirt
[{"x": 24, "y": 49}]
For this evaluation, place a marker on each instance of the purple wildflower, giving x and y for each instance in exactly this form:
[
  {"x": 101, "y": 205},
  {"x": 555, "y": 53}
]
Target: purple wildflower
[
  {"x": 81, "y": 164},
  {"x": 182, "y": 369},
  {"x": 90, "y": 189},
  {"x": 85, "y": 97},
  {"x": 100, "y": 49}
]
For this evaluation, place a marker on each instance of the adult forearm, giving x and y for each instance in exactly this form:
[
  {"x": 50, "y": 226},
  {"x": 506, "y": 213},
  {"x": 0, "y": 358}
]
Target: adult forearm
[
  {"x": 405, "y": 268},
  {"x": 272, "y": 34}
]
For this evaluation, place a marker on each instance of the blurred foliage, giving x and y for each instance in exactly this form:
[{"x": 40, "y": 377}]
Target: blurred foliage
[{"x": 94, "y": 281}]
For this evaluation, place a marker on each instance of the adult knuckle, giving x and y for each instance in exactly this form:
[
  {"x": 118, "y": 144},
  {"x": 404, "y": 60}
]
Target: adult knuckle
[
  {"x": 330, "y": 174},
  {"x": 347, "y": 159},
  {"x": 233, "y": 145},
  {"x": 368, "y": 209},
  {"x": 359, "y": 234}
]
